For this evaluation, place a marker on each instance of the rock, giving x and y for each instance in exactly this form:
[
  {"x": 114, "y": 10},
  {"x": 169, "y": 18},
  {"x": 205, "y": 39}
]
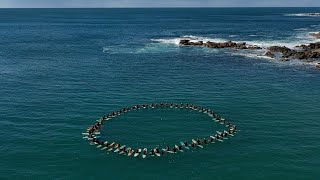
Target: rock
[
  {"x": 209, "y": 44},
  {"x": 305, "y": 52},
  {"x": 313, "y": 14},
  {"x": 184, "y": 41},
  {"x": 253, "y": 47},
  {"x": 269, "y": 54},
  {"x": 316, "y": 35},
  {"x": 318, "y": 65}
]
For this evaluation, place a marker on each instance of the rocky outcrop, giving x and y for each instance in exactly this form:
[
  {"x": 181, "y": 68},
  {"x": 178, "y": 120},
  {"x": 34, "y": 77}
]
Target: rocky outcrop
[
  {"x": 313, "y": 14},
  {"x": 303, "y": 52},
  {"x": 270, "y": 54},
  {"x": 316, "y": 35},
  {"x": 311, "y": 51},
  {"x": 218, "y": 45}
]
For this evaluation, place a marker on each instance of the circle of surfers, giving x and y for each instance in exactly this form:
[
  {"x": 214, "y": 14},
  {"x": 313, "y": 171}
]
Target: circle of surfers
[{"x": 93, "y": 133}]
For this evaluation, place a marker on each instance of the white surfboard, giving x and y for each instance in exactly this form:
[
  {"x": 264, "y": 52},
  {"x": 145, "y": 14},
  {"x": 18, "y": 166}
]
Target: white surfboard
[
  {"x": 137, "y": 153},
  {"x": 195, "y": 142},
  {"x": 122, "y": 152},
  {"x": 144, "y": 152},
  {"x": 158, "y": 154},
  {"x": 130, "y": 152},
  {"x": 176, "y": 146},
  {"x": 117, "y": 150}
]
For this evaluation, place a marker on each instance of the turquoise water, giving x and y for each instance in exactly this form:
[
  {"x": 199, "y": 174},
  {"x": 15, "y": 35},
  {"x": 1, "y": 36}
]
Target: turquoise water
[{"x": 61, "y": 69}]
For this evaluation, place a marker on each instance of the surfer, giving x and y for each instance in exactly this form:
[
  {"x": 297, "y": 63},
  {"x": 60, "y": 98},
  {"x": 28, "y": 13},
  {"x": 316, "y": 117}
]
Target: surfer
[
  {"x": 174, "y": 149},
  {"x": 212, "y": 139},
  {"x": 198, "y": 141},
  {"x": 152, "y": 153},
  {"x": 163, "y": 152},
  {"x": 137, "y": 151},
  {"x": 193, "y": 144},
  {"x": 145, "y": 151},
  {"x": 205, "y": 141},
  {"x": 185, "y": 143}
]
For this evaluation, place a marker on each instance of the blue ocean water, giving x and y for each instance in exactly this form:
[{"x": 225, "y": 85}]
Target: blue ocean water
[{"x": 61, "y": 69}]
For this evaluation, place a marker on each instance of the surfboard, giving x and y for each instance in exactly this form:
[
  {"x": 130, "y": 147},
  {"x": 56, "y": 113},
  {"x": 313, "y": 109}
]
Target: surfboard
[
  {"x": 158, "y": 154},
  {"x": 145, "y": 151},
  {"x": 104, "y": 148},
  {"x": 137, "y": 153},
  {"x": 122, "y": 152},
  {"x": 176, "y": 146},
  {"x": 86, "y": 133},
  {"x": 130, "y": 152},
  {"x": 195, "y": 142},
  {"x": 112, "y": 144},
  {"x": 182, "y": 144},
  {"x": 120, "y": 148},
  {"x": 99, "y": 146}
]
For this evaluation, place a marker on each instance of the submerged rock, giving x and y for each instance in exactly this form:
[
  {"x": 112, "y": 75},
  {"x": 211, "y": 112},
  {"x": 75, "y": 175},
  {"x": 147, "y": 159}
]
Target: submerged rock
[{"x": 209, "y": 44}]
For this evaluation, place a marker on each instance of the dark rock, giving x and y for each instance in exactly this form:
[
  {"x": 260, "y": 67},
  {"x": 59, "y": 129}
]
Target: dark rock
[
  {"x": 316, "y": 35},
  {"x": 269, "y": 54},
  {"x": 184, "y": 41},
  {"x": 253, "y": 47}
]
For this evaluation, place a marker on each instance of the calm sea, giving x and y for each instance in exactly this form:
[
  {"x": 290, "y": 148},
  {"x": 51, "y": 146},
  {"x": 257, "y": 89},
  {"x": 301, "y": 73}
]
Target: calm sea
[{"x": 61, "y": 69}]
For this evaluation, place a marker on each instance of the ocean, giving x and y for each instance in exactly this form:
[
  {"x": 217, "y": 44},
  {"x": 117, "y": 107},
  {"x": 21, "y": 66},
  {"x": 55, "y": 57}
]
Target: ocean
[{"x": 62, "y": 69}]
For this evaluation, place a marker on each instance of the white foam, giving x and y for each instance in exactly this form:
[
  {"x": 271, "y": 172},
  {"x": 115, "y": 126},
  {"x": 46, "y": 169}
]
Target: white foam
[
  {"x": 252, "y": 54},
  {"x": 301, "y": 29},
  {"x": 192, "y": 38},
  {"x": 305, "y": 14},
  {"x": 298, "y": 39}
]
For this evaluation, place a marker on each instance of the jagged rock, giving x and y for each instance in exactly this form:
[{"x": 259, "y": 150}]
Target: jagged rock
[
  {"x": 269, "y": 54},
  {"x": 254, "y": 47},
  {"x": 209, "y": 44},
  {"x": 306, "y": 52},
  {"x": 313, "y": 14},
  {"x": 184, "y": 41},
  {"x": 316, "y": 35}
]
